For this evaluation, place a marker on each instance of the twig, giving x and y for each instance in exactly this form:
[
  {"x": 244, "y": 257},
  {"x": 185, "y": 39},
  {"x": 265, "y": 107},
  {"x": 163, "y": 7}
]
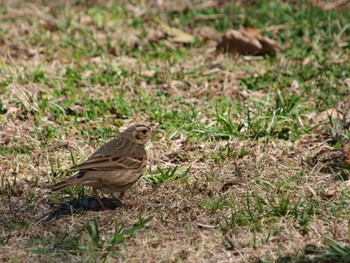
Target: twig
[{"x": 233, "y": 243}]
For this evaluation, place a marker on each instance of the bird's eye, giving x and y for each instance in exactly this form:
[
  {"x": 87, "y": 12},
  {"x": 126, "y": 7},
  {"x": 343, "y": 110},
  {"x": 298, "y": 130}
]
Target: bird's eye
[{"x": 144, "y": 131}]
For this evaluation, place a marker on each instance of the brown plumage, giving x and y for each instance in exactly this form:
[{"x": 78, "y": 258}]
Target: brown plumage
[{"x": 114, "y": 167}]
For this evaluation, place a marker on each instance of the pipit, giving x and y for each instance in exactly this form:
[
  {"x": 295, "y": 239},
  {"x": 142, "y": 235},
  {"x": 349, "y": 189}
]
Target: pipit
[{"x": 114, "y": 167}]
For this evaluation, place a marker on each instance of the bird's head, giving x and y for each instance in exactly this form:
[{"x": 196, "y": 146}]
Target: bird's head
[{"x": 138, "y": 133}]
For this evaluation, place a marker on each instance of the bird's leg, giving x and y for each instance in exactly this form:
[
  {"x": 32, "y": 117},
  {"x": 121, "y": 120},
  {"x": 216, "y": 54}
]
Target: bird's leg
[
  {"x": 98, "y": 199},
  {"x": 121, "y": 195}
]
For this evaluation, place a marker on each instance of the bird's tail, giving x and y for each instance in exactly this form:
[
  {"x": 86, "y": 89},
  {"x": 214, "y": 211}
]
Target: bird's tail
[{"x": 74, "y": 180}]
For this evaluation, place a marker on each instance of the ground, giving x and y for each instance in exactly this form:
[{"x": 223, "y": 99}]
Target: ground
[{"x": 250, "y": 163}]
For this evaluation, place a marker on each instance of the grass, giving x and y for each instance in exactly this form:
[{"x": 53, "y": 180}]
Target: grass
[{"x": 246, "y": 149}]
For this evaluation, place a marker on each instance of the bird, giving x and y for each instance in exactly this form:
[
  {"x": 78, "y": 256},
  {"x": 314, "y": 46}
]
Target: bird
[{"x": 115, "y": 166}]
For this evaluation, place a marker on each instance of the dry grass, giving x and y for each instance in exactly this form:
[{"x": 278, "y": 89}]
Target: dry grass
[{"x": 238, "y": 153}]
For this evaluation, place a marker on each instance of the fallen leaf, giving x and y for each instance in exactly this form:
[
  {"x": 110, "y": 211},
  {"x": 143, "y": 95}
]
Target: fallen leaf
[
  {"x": 247, "y": 41},
  {"x": 218, "y": 186},
  {"x": 346, "y": 154},
  {"x": 235, "y": 42},
  {"x": 75, "y": 109},
  {"x": 5, "y": 167},
  {"x": 327, "y": 114},
  {"x": 345, "y": 158},
  {"x": 175, "y": 34},
  {"x": 207, "y": 33},
  {"x": 306, "y": 40},
  {"x": 112, "y": 51},
  {"x": 339, "y": 61},
  {"x": 330, "y": 5},
  {"x": 154, "y": 36},
  {"x": 329, "y": 195},
  {"x": 269, "y": 46},
  {"x": 149, "y": 73},
  {"x": 49, "y": 25},
  {"x": 250, "y": 32}
]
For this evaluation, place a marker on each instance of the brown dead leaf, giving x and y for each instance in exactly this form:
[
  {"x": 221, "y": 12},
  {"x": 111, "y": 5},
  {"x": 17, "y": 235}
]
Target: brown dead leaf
[
  {"x": 345, "y": 159},
  {"x": 112, "y": 51},
  {"x": 346, "y": 154},
  {"x": 235, "y": 42},
  {"x": 75, "y": 109},
  {"x": 331, "y": 5},
  {"x": 327, "y": 114},
  {"x": 307, "y": 40},
  {"x": 218, "y": 186},
  {"x": 329, "y": 195},
  {"x": 49, "y": 25},
  {"x": 5, "y": 167},
  {"x": 250, "y": 32},
  {"x": 175, "y": 34},
  {"x": 339, "y": 60},
  {"x": 155, "y": 35},
  {"x": 247, "y": 41},
  {"x": 269, "y": 46},
  {"x": 207, "y": 33},
  {"x": 149, "y": 73}
]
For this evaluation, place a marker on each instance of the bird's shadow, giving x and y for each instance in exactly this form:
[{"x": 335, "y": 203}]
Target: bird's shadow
[{"x": 76, "y": 206}]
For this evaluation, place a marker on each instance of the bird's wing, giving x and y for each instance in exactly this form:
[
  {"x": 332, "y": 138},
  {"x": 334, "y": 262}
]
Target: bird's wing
[{"x": 114, "y": 155}]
